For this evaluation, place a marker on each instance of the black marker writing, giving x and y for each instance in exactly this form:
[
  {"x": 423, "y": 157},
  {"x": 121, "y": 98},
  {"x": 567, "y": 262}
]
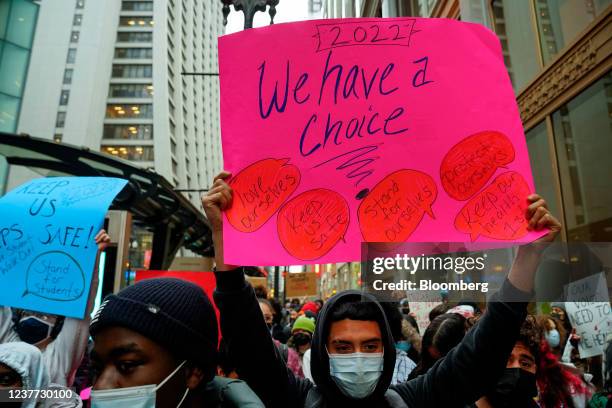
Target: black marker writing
[{"x": 419, "y": 78}]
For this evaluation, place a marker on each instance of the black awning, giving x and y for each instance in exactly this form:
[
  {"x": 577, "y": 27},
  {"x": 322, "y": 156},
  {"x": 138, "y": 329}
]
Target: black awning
[{"x": 148, "y": 196}]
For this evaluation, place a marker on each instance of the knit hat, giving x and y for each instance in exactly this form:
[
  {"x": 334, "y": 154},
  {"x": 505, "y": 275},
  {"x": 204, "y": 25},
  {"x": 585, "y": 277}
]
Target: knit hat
[
  {"x": 310, "y": 307},
  {"x": 304, "y": 323},
  {"x": 560, "y": 305},
  {"x": 27, "y": 361},
  {"x": 174, "y": 313}
]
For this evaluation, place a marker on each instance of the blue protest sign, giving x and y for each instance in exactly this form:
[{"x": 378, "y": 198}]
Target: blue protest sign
[{"x": 47, "y": 242}]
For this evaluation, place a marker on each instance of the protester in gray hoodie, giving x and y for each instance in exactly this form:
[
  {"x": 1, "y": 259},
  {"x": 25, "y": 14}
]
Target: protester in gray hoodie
[{"x": 22, "y": 366}]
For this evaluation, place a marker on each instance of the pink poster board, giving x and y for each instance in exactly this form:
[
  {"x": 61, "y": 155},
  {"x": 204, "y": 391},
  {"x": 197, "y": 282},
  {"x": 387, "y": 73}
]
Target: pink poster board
[{"x": 381, "y": 130}]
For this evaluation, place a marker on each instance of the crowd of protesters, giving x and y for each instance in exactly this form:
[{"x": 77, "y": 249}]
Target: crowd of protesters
[{"x": 156, "y": 344}]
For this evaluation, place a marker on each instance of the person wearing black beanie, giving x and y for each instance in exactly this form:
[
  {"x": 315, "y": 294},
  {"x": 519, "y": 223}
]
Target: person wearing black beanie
[{"x": 156, "y": 341}]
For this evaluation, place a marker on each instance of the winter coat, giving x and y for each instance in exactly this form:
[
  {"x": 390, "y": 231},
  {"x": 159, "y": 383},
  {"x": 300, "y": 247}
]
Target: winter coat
[{"x": 458, "y": 379}]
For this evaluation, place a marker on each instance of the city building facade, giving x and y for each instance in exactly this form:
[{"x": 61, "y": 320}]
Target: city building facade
[
  {"x": 558, "y": 55},
  {"x": 135, "y": 79}
]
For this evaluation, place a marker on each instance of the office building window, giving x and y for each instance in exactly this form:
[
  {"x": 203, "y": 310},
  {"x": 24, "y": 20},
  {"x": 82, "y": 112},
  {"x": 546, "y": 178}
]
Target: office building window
[
  {"x": 61, "y": 119},
  {"x": 71, "y": 56},
  {"x": 512, "y": 20},
  {"x": 142, "y": 111},
  {"x": 64, "y": 96},
  {"x": 9, "y": 108},
  {"x": 539, "y": 156},
  {"x": 13, "y": 69},
  {"x": 137, "y": 6},
  {"x": 136, "y": 53},
  {"x": 78, "y": 18},
  {"x": 134, "y": 21},
  {"x": 583, "y": 137},
  {"x": 131, "y": 90},
  {"x": 22, "y": 20},
  {"x": 560, "y": 22},
  {"x": 134, "y": 132},
  {"x": 80, "y": 4},
  {"x": 141, "y": 242},
  {"x": 74, "y": 37},
  {"x": 136, "y": 153},
  {"x": 68, "y": 75},
  {"x": 134, "y": 37},
  {"x": 132, "y": 71},
  {"x": 425, "y": 7},
  {"x": 57, "y": 137}
]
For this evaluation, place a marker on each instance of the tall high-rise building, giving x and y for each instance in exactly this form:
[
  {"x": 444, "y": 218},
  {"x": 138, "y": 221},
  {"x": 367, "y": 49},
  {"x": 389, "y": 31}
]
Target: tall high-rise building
[{"x": 124, "y": 77}]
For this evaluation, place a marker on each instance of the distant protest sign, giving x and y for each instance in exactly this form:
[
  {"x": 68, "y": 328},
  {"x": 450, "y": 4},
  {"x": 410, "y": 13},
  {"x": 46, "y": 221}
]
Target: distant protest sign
[
  {"x": 589, "y": 314},
  {"x": 301, "y": 284},
  {"x": 378, "y": 130},
  {"x": 47, "y": 242},
  {"x": 421, "y": 310}
]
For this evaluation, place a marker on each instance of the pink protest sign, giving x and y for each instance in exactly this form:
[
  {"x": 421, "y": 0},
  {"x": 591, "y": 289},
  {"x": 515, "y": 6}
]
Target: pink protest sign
[{"x": 380, "y": 130}]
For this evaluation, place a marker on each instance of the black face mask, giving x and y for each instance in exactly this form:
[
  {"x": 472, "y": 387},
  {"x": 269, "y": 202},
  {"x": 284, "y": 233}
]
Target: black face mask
[
  {"x": 301, "y": 339},
  {"x": 558, "y": 316},
  {"x": 515, "y": 388},
  {"x": 33, "y": 330}
]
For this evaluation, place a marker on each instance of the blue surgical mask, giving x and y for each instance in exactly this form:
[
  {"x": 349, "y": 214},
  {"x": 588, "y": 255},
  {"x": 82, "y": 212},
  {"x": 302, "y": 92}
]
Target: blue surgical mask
[
  {"x": 33, "y": 330},
  {"x": 553, "y": 338},
  {"x": 403, "y": 345},
  {"x": 356, "y": 374},
  {"x": 131, "y": 397}
]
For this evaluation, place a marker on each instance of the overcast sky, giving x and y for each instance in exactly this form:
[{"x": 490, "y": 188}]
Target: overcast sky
[{"x": 286, "y": 11}]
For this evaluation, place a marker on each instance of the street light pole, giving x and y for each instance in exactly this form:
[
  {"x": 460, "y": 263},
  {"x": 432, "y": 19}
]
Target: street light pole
[{"x": 249, "y": 8}]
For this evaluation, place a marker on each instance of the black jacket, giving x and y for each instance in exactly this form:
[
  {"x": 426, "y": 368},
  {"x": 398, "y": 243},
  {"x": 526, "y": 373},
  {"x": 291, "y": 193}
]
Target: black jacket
[
  {"x": 224, "y": 392},
  {"x": 456, "y": 380}
]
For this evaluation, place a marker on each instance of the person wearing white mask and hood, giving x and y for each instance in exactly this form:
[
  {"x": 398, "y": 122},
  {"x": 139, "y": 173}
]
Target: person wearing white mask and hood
[{"x": 22, "y": 366}]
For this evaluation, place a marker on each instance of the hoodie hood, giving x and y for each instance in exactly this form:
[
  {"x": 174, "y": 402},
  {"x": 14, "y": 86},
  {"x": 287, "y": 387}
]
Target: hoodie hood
[
  {"x": 320, "y": 359},
  {"x": 27, "y": 361}
]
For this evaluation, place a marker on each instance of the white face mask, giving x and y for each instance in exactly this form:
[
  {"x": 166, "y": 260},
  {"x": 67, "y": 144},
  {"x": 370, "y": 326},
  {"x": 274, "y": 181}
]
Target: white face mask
[
  {"x": 356, "y": 374},
  {"x": 132, "y": 397}
]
